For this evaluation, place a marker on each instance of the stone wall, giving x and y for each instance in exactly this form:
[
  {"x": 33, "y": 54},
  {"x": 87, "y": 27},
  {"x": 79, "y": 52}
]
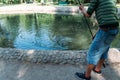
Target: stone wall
[
  {"x": 53, "y": 56},
  {"x": 39, "y": 56}
]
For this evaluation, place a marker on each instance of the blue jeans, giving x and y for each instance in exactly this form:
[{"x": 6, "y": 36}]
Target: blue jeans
[{"x": 100, "y": 45}]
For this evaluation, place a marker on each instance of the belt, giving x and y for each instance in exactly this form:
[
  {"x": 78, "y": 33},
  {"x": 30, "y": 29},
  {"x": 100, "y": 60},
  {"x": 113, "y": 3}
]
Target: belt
[{"x": 109, "y": 28}]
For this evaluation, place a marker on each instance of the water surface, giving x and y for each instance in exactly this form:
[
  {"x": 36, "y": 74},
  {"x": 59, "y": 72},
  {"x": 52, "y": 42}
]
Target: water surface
[{"x": 47, "y": 32}]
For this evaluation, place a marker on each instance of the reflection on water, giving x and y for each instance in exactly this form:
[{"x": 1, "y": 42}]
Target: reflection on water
[{"x": 46, "y": 32}]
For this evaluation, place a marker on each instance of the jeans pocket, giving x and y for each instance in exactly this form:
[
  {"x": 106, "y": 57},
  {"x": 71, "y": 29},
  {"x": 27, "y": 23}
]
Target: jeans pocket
[
  {"x": 111, "y": 36},
  {"x": 109, "y": 39}
]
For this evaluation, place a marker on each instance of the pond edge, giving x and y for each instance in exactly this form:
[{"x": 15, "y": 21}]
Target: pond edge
[{"x": 73, "y": 57}]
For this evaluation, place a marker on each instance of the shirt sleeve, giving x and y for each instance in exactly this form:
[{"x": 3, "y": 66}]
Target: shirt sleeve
[{"x": 92, "y": 6}]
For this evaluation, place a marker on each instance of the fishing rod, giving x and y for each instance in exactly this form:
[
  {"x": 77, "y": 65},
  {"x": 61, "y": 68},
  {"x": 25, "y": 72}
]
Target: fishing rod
[{"x": 87, "y": 23}]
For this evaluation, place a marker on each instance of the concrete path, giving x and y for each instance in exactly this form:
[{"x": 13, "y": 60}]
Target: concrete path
[
  {"x": 35, "y": 8},
  {"x": 16, "y": 70}
]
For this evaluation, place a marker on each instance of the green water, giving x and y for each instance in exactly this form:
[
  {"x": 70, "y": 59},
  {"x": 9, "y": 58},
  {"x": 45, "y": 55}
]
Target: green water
[{"x": 47, "y": 32}]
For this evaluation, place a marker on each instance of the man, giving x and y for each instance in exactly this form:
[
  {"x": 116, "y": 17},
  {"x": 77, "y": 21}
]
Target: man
[{"x": 106, "y": 15}]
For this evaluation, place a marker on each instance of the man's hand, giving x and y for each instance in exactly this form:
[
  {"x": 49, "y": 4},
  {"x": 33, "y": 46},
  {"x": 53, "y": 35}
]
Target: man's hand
[{"x": 81, "y": 7}]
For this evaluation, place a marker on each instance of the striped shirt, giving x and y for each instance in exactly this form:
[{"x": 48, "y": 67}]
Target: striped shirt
[{"x": 105, "y": 10}]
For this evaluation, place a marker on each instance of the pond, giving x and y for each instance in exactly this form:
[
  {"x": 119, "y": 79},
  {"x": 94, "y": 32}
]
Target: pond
[{"x": 47, "y": 32}]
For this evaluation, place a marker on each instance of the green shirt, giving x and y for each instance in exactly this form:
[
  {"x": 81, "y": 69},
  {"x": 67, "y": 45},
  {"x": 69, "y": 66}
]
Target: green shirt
[{"x": 105, "y": 10}]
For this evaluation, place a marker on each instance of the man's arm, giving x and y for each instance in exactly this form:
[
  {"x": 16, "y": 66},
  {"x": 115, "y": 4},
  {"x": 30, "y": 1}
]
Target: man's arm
[{"x": 90, "y": 9}]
